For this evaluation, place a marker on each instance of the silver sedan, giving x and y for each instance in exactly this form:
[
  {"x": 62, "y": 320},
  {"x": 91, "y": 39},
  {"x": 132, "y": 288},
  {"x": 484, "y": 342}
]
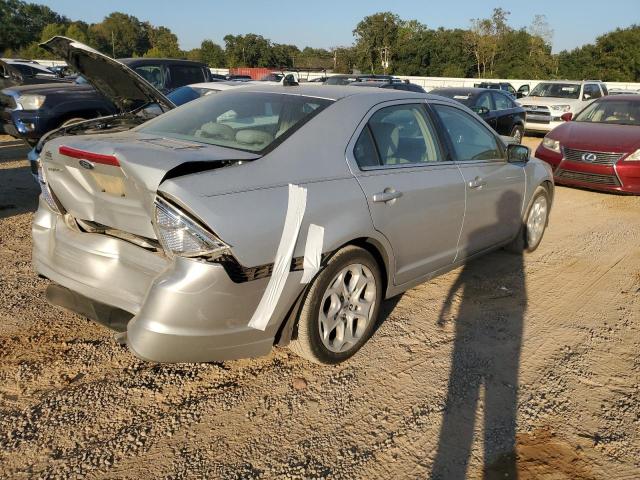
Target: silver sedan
[{"x": 276, "y": 215}]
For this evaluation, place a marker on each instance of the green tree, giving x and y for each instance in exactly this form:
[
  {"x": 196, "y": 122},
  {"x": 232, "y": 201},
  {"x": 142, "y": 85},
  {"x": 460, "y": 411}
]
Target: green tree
[
  {"x": 376, "y": 38},
  {"x": 21, "y": 23},
  {"x": 78, "y": 31},
  {"x": 248, "y": 50},
  {"x": 283, "y": 55},
  {"x": 484, "y": 39},
  {"x": 164, "y": 43},
  {"x": 212, "y": 54},
  {"x": 120, "y": 35},
  {"x": 615, "y": 56}
]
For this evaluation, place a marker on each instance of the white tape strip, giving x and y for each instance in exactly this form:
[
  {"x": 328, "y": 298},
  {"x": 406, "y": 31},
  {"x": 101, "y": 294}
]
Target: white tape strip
[
  {"x": 282, "y": 264},
  {"x": 312, "y": 252}
]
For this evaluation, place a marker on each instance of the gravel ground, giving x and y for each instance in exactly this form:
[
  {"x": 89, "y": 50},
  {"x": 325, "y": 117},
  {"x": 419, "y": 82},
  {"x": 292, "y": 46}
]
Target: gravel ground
[{"x": 507, "y": 361}]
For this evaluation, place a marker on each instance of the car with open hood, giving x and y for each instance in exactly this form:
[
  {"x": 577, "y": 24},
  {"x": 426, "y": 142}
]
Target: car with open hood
[
  {"x": 106, "y": 87},
  {"x": 275, "y": 214},
  {"x": 599, "y": 148}
]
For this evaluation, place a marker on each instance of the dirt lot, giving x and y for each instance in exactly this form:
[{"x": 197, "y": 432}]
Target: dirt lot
[{"x": 546, "y": 360}]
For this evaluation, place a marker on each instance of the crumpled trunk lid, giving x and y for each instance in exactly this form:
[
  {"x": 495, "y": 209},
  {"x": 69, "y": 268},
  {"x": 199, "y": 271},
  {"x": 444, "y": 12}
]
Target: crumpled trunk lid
[{"x": 113, "y": 179}]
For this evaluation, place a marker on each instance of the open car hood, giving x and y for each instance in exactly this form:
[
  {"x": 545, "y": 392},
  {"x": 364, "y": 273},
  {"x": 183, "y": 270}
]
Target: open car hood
[
  {"x": 12, "y": 76},
  {"x": 113, "y": 79}
]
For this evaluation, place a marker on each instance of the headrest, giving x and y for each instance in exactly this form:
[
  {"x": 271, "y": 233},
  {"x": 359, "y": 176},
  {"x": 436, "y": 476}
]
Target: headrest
[
  {"x": 387, "y": 137},
  {"x": 254, "y": 137}
]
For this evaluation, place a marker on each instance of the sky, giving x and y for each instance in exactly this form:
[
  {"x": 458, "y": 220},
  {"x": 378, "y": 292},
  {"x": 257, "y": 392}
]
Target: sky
[{"x": 329, "y": 23}]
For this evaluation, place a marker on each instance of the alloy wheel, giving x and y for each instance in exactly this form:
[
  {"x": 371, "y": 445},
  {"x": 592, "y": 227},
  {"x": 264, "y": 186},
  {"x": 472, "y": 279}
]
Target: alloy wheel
[
  {"x": 537, "y": 220},
  {"x": 347, "y": 307}
]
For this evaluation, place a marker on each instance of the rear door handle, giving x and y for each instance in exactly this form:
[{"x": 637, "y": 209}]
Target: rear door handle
[
  {"x": 388, "y": 195},
  {"x": 477, "y": 183}
]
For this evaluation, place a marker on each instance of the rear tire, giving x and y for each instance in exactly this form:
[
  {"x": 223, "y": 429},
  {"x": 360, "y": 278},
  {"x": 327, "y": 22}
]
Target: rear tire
[
  {"x": 340, "y": 308},
  {"x": 534, "y": 224}
]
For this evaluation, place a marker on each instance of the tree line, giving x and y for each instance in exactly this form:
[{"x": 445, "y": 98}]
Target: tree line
[{"x": 383, "y": 43}]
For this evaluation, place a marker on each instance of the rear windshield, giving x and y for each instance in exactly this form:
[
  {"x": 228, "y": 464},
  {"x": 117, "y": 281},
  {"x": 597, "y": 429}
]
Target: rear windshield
[
  {"x": 463, "y": 97},
  {"x": 249, "y": 121},
  {"x": 185, "y": 94}
]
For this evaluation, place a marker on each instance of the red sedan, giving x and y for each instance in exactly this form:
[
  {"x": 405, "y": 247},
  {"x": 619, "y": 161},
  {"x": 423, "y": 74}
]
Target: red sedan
[{"x": 599, "y": 148}]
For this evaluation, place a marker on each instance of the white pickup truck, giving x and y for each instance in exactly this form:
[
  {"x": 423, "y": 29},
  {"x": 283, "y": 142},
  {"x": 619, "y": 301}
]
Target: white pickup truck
[{"x": 548, "y": 101}]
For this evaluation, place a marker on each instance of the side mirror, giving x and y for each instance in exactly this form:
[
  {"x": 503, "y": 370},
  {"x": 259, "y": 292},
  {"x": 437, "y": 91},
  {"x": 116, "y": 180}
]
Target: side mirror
[
  {"x": 480, "y": 110},
  {"x": 289, "y": 81},
  {"x": 517, "y": 153},
  {"x": 566, "y": 117},
  {"x": 586, "y": 96}
]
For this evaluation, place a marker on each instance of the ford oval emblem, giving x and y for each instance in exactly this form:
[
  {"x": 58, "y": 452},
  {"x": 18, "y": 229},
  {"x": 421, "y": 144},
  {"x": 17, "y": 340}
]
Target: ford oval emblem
[
  {"x": 589, "y": 157},
  {"x": 86, "y": 164}
]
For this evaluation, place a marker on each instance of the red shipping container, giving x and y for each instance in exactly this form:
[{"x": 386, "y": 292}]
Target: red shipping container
[{"x": 256, "y": 73}]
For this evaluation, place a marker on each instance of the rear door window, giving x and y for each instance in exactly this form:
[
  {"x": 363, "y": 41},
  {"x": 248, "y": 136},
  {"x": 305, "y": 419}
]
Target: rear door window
[
  {"x": 185, "y": 75},
  {"x": 501, "y": 101},
  {"x": 403, "y": 134},
  {"x": 484, "y": 100}
]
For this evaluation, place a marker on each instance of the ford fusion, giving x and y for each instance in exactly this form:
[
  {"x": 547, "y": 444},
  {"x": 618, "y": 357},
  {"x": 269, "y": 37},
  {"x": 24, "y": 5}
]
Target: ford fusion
[{"x": 274, "y": 215}]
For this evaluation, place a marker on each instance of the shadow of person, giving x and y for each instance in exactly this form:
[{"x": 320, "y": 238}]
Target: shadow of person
[{"x": 485, "y": 359}]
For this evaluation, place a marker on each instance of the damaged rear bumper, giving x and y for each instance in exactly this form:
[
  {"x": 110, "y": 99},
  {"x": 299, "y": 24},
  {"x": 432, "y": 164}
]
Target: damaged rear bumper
[{"x": 182, "y": 310}]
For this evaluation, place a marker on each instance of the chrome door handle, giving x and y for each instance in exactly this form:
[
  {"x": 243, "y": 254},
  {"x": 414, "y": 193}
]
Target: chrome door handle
[
  {"x": 387, "y": 196},
  {"x": 477, "y": 183}
]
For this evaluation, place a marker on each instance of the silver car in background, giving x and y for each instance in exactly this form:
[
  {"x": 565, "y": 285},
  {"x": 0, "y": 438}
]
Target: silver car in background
[{"x": 276, "y": 215}]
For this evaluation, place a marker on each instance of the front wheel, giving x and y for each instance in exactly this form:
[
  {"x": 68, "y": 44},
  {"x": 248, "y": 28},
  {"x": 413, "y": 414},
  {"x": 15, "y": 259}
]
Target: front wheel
[
  {"x": 517, "y": 133},
  {"x": 340, "y": 309},
  {"x": 534, "y": 225}
]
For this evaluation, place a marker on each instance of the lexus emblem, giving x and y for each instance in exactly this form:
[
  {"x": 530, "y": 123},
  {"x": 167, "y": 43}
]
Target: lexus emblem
[
  {"x": 86, "y": 164},
  {"x": 589, "y": 157},
  {"x": 533, "y": 107}
]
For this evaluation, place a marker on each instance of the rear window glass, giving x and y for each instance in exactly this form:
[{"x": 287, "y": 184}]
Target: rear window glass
[
  {"x": 247, "y": 121},
  {"x": 185, "y": 74},
  {"x": 464, "y": 97},
  {"x": 185, "y": 94}
]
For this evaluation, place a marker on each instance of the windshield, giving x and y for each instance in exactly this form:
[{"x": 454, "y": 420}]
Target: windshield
[
  {"x": 272, "y": 77},
  {"x": 556, "y": 90},
  {"x": 619, "y": 112},
  {"x": 185, "y": 94},
  {"x": 247, "y": 121}
]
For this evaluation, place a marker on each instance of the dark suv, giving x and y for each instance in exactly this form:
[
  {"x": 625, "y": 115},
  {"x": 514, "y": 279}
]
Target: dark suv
[{"x": 30, "y": 111}]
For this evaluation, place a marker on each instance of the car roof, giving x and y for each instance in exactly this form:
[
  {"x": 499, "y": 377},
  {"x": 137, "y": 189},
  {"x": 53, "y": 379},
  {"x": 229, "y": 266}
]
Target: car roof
[
  {"x": 156, "y": 61},
  {"x": 632, "y": 97},
  {"x": 465, "y": 90},
  {"x": 334, "y": 92},
  {"x": 225, "y": 85}
]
